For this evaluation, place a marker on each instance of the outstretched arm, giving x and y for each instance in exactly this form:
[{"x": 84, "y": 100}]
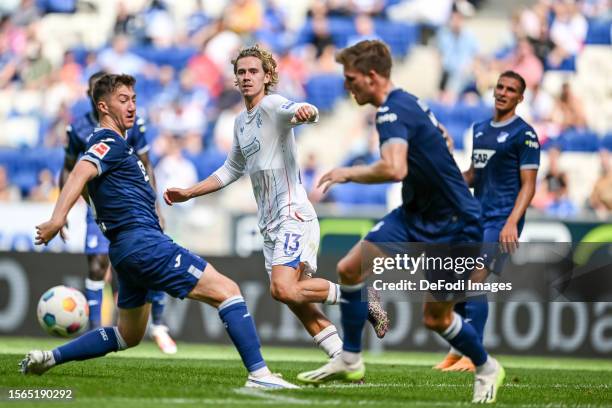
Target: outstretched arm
[
  {"x": 231, "y": 171},
  {"x": 82, "y": 173},
  {"x": 392, "y": 166},
  {"x": 206, "y": 186}
]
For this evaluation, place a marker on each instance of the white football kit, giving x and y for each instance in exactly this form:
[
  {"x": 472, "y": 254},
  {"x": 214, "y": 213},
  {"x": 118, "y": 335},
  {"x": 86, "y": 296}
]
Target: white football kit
[{"x": 264, "y": 147}]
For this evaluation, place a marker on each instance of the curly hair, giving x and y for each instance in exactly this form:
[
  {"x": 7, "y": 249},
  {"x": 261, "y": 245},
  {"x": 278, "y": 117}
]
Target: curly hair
[{"x": 268, "y": 64}]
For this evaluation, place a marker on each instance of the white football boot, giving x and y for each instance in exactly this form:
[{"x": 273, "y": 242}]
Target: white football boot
[
  {"x": 37, "y": 362},
  {"x": 335, "y": 369},
  {"x": 487, "y": 385},
  {"x": 269, "y": 382}
]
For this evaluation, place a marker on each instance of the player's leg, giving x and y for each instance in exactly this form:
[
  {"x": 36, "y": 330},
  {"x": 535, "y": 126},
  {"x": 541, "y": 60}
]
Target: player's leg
[
  {"x": 224, "y": 294},
  {"x": 95, "y": 343},
  {"x": 354, "y": 309},
  {"x": 158, "y": 330},
  {"x": 440, "y": 317},
  {"x": 475, "y": 309},
  {"x": 354, "y": 302},
  {"x": 285, "y": 281}
]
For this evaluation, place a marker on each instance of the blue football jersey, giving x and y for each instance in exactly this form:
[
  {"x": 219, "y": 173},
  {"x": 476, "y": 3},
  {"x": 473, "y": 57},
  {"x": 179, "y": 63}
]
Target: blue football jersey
[
  {"x": 82, "y": 127},
  {"x": 121, "y": 196},
  {"x": 434, "y": 187},
  {"x": 500, "y": 152}
]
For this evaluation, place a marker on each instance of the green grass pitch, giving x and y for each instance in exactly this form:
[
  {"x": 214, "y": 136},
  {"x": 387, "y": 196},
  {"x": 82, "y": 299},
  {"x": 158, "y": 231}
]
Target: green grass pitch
[{"x": 212, "y": 376}]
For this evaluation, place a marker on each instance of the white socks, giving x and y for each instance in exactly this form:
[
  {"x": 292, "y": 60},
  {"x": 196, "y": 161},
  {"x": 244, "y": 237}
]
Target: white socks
[
  {"x": 488, "y": 367},
  {"x": 261, "y": 372},
  {"x": 333, "y": 295},
  {"x": 329, "y": 341},
  {"x": 350, "y": 358}
]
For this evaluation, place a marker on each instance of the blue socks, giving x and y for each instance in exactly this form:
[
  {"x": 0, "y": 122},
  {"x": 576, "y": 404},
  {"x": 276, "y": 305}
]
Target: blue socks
[
  {"x": 94, "y": 291},
  {"x": 464, "y": 338},
  {"x": 475, "y": 311},
  {"x": 158, "y": 303},
  {"x": 241, "y": 329},
  {"x": 94, "y": 343},
  {"x": 354, "y": 311}
]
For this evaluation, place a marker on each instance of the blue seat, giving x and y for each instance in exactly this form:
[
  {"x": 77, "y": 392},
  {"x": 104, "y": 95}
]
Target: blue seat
[
  {"x": 177, "y": 57},
  {"x": 400, "y": 36},
  {"x": 599, "y": 32},
  {"x": 568, "y": 64},
  {"x": 606, "y": 142},
  {"x": 579, "y": 141},
  {"x": 324, "y": 90}
]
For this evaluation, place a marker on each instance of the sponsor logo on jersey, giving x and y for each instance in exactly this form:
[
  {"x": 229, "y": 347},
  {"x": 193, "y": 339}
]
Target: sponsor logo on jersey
[
  {"x": 477, "y": 135},
  {"x": 99, "y": 150},
  {"x": 532, "y": 143},
  {"x": 108, "y": 139},
  {"x": 501, "y": 138},
  {"x": 531, "y": 134},
  {"x": 481, "y": 157},
  {"x": 258, "y": 120},
  {"x": 387, "y": 117},
  {"x": 251, "y": 148},
  {"x": 383, "y": 109}
]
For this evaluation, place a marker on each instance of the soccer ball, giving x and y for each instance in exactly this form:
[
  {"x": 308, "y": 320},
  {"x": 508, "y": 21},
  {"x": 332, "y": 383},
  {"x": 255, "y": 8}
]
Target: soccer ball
[{"x": 63, "y": 311}]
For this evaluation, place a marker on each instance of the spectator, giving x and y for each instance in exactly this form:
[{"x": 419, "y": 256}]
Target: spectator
[
  {"x": 568, "y": 112},
  {"x": 174, "y": 170},
  {"x": 46, "y": 190},
  {"x": 119, "y": 60},
  {"x": 364, "y": 28},
  {"x": 243, "y": 16},
  {"x": 568, "y": 32},
  {"x": 458, "y": 48},
  {"x": 8, "y": 192},
  {"x": 526, "y": 63},
  {"x": 601, "y": 196}
]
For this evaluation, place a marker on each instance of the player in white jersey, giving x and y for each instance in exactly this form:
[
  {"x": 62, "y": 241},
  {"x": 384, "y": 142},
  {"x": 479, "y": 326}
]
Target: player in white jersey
[{"x": 264, "y": 147}]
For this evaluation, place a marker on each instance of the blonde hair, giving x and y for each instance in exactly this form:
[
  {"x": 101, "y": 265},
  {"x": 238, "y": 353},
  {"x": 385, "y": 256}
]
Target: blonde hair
[{"x": 268, "y": 64}]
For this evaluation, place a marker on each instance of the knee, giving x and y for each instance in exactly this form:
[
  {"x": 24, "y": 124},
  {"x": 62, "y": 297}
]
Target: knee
[
  {"x": 347, "y": 272},
  {"x": 97, "y": 267},
  {"x": 437, "y": 322},
  {"x": 230, "y": 289},
  {"x": 131, "y": 339},
  {"x": 282, "y": 293}
]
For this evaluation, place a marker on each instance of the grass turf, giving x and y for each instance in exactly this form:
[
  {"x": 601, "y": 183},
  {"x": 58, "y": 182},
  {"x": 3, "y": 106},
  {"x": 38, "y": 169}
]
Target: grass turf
[{"x": 206, "y": 375}]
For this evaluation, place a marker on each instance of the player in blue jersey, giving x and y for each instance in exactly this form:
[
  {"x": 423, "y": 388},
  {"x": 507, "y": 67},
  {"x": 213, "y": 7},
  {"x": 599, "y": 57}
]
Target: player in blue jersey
[
  {"x": 96, "y": 245},
  {"x": 123, "y": 203},
  {"x": 436, "y": 207},
  {"x": 505, "y": 161}
]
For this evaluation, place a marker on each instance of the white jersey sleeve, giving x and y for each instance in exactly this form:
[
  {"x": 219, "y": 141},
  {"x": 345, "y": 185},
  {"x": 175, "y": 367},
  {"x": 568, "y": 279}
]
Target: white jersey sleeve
[
  {"x": 234, "y": 166},
  {"x": 284, "y": 110}
]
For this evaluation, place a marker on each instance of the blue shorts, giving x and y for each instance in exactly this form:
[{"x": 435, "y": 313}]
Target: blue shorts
[
  {"x": 496, "y": 259},
  {"x": 158, "y": 264},
  {"x": 458, "y": 241},
  {"x": 95, "y": 242},
  {"x": 396, "y": 227}
]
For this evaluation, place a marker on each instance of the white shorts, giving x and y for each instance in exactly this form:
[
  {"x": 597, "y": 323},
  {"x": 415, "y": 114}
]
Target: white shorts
[{"x": 292, "y": 243}]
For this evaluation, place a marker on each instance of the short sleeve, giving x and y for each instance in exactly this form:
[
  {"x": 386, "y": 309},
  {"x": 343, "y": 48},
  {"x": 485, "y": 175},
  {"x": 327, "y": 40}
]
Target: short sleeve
[
  {"x": 138, "y": 135},
  {"x": 74, "y": 146},
  {"x": 104, "y": 154},
  {"x": 529, "y": 150},
  {"x": 390, "y": 126}
]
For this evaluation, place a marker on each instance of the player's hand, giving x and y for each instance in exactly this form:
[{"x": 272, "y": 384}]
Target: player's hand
[
  {"x": 508, "y": 237},
  {"x": 46, "y": 231},
  {"x": 339, "y": 175},
  {"x": 305, "y": 113},
  {"x": 176, "y": 195}
]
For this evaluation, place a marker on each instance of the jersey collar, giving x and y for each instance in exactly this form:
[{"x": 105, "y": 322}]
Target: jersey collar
[{"x": 503, "y": 123}]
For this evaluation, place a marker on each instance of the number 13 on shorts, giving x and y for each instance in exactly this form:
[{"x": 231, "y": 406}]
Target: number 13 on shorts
[{"x": 292, "y": 243}]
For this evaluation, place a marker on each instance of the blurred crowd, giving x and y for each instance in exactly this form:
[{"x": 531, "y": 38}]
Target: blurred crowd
[{"x": 186, "y": 90}]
